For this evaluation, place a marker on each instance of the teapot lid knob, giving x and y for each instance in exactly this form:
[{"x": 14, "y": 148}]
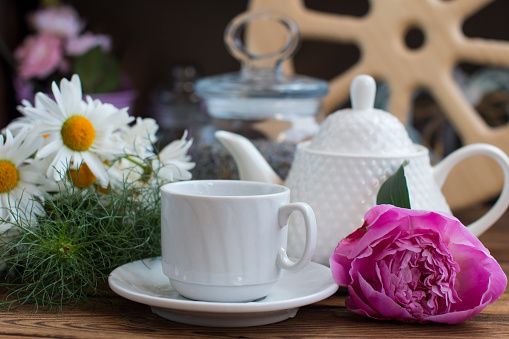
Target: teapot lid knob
[
  {"x": 362, "y": 129},
  {"x": 362, "y": 92}
]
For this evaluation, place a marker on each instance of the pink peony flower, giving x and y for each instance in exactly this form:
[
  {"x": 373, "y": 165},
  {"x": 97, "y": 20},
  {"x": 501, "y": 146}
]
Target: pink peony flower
[
  {"x": 38, "y": 56},
  {"x": 79, "y": 45},
  {"x": 62, "y": 21},
  {"x": 416, "y": 266}
]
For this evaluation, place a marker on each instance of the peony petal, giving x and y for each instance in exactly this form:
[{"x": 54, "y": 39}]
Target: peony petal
[
  {"x": 340, "y": 266},
  {"x": 374, "y": 213},
  {"x": 385, "y": 306},
  {"x": 384, "y": 275},
  {"x": 379, "y": 228},
  {"x": 355, "y": 303},
  {"x": 457, "y": 316},
  {"x": 480, "y": 280},
  {"x": 455, "y": 233}
]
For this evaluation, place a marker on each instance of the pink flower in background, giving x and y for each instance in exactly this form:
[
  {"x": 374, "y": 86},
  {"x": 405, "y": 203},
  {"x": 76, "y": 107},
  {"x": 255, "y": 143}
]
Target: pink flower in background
[
  {"x": 38, "y": 56},
  {"x": 416, "y": 266},
  {"x": 62, "y": 21},
  {"x": 79, "y": 45},
  {"x": 60, "y": 45},
  {"x": 64, "y": 67}
]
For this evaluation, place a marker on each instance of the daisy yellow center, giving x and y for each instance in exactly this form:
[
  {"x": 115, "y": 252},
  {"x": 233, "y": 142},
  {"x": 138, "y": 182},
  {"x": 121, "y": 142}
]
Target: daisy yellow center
[
  {"x": 8, "y": 176},
  {"x": 78, "y": 133},
  {"x": 82, "y": 177}
]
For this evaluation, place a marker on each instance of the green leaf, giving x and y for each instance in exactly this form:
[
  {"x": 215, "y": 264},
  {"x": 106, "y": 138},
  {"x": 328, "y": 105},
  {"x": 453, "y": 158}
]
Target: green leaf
[
  {"x": 394, "y": 191},
  {"x": 99, "y": 72}
]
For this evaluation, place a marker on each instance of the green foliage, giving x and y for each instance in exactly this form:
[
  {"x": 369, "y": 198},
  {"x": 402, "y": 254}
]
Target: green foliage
[
  {"x": 68, "y": 256},
  {"x": 99, "y": 72},
  {"x": 394, "y": 190}
]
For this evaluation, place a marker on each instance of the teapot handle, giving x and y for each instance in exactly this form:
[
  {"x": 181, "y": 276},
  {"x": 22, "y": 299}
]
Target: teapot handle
[{"x": 442, "y": 169}]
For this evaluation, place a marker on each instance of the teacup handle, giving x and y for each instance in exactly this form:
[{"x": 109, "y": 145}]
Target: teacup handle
[
  {"x": 310, "y": 223},
  {"x": 442, "y": 169}
]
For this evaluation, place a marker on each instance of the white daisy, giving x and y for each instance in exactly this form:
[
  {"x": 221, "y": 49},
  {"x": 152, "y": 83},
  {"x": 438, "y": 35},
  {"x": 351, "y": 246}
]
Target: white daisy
[
  {"x": 127, "y": 170},
  {"x": 24, "y": 121},
  {"x": 76, "y": 131},
  {"x": 22, "y": 183},
  {"x": 139, "y": 140},
  {"x": 173, "y": 163}
]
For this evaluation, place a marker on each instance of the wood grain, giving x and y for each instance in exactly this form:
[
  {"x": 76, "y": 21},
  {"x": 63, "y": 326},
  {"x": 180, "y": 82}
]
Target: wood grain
[{"x": 326, "y": 319}]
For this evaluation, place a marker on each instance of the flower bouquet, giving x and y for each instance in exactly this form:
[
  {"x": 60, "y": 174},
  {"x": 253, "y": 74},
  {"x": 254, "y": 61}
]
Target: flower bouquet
[
  {"x": 79, "y": 195},
  {"x": 59, "y": 47}
]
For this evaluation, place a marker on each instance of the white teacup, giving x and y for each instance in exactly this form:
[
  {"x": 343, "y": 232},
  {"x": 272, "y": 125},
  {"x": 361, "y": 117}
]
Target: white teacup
[{"x": 225, "y": 240}]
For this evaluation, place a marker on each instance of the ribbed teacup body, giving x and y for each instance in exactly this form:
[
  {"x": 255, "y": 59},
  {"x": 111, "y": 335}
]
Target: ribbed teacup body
[
  {"x": 224, "y": 242},
  {"x": 221, "y": 239}
]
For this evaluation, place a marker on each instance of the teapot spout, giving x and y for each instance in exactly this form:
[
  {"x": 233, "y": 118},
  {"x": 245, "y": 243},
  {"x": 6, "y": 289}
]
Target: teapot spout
[{"x": 250, "y": 162}]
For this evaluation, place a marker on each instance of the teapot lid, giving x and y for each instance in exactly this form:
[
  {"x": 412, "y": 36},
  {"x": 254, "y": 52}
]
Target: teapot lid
[{"x": 362, "y": 129}]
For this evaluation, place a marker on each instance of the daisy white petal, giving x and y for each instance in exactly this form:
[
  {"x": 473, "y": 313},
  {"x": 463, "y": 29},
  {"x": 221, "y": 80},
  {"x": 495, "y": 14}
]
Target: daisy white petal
[
  {"x": 50, "y": 148},
  {"x": 173, "y": 162},
  {"x": 59, "y": 164},
  {"x": 70, "y": 96},
  {"x": 19, "y": 192},
  {"x": 23, "y": 147},
  {"x": 173, "y": 173},
  {"x": 58, "y": 96},
  {"x": 97, "y": 167},
  {"x": 49, "y": 106}
]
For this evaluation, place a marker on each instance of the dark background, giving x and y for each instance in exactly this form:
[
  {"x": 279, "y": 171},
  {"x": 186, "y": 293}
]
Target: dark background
[{"x": 151, "y": 36}]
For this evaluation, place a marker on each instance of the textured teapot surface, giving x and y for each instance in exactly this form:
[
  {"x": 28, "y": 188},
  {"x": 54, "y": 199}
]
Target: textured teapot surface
[
  {"x": 340, "y": 171},
  {"x": 372, "y": 132},
  {"x": 362, "y": 129},
  {"x": 342, "y": 188}
]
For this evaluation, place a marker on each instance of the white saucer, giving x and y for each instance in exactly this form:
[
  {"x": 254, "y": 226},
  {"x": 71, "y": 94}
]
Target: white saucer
[{"x": 143, "y": 281}]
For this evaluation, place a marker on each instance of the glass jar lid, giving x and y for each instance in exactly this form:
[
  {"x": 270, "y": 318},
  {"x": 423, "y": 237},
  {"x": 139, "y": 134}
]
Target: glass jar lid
[{"x": 260, "y": 90}]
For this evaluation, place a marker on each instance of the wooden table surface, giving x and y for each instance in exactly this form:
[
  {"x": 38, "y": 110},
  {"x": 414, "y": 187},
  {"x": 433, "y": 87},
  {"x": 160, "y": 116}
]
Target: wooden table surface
[{"x": 328, "y": 318}]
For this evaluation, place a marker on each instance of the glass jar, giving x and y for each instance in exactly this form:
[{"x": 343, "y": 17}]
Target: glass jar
[{"x": 261, "y": 101}]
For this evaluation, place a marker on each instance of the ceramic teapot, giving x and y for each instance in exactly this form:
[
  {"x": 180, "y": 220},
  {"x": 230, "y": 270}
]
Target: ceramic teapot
[{"x": 340, "y": 170}]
